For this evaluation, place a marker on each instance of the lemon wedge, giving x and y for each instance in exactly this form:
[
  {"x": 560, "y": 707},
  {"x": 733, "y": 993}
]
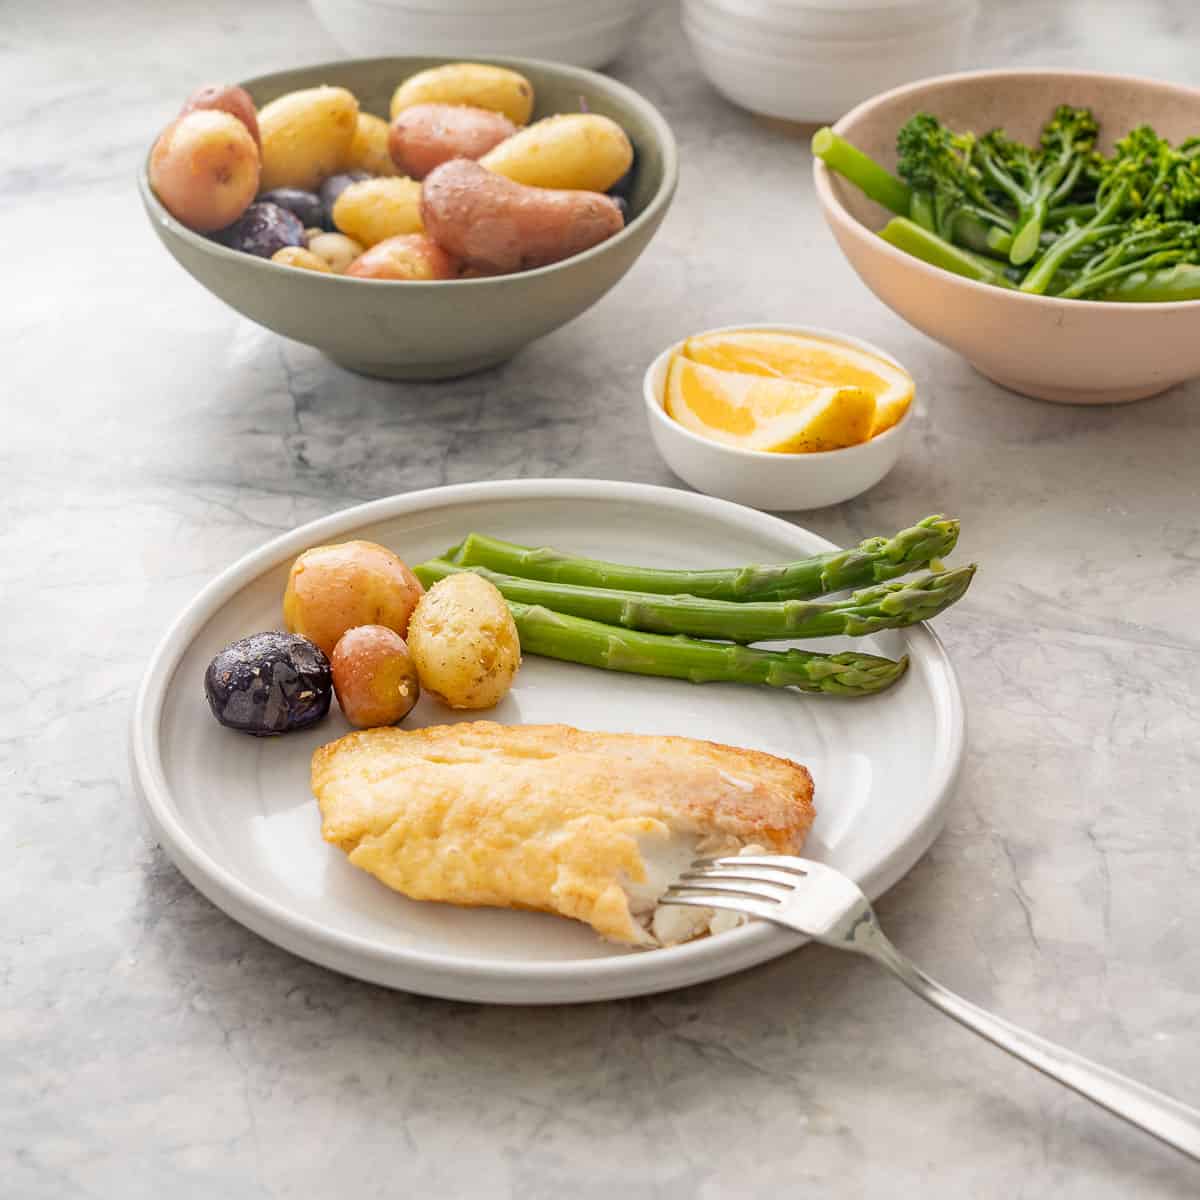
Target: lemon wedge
[
  {"x": 812, "y": 360},
  {"x": 755, "y": 412}
]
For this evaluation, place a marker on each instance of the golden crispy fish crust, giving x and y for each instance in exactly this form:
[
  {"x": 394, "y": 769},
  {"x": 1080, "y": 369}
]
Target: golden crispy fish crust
[{"x": 545, "y": 817}]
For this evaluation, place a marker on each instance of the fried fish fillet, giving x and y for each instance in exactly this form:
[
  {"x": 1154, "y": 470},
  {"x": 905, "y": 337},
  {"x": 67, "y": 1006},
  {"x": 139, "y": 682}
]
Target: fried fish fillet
[{"x": 593, "y": 826}]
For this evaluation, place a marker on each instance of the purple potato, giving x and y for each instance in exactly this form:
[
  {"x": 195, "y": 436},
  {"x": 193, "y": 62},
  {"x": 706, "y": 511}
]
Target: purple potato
[
  {"x": 624, "y": 185},
  {"x": 306, "y": 205},
  {"x": 333, "y": 187},
  {"x": 269, "y": 683},
  {"x": 262, "y": 229}
]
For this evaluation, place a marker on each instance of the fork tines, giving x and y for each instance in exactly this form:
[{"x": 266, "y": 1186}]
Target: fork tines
[
  {"x": 751, "y": 884},
  {"x": 778, "y": 862}
]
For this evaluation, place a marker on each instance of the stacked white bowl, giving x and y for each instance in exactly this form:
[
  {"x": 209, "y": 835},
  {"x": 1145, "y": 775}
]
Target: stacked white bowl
[
  {"x": 584, "y": 33},
  {"x": 812, "y": 60}
]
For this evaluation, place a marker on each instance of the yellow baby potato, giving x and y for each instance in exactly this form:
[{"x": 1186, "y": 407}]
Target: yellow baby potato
[
  {"x": 306, "y": 136},
  {"x": 336, "y": 250},
  {"x": 576, "y": 151},
  {"x": 295, "y": 256},
  {"x": 369, "y": 147},
  {"x": 464, "y": 642},
  {"x": 477, "y": 84},
  {"x": 376, "y": 209}
]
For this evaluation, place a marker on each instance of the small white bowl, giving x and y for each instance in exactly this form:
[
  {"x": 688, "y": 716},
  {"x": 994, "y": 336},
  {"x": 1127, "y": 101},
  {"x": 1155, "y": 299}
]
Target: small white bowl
[
  {"x": 785, "y": 72},
  {"x": 762, "y": 479},
  {"x": 581, "y": 33}
]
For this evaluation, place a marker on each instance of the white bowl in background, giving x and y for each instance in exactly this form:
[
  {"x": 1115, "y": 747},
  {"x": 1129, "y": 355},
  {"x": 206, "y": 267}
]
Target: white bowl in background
[
  {"x": 764, "y": 479},
  {"x": 581, "y": 33},
  {"x": 782, "y": 72},
  {"x": 871, "y": 20}
]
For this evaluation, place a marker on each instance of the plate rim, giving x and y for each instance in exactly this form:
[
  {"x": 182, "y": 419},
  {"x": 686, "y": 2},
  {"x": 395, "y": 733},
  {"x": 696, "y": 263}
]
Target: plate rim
[{"x": 483, "y": 979}]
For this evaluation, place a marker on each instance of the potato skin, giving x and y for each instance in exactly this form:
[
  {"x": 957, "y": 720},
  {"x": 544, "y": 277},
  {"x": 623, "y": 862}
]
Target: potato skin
[
  {"x": 369, "y": 147},
  {"x": 225, "y": 97},
  {"x": 477, "y": 84},
  {"x": 375, "y": 209},
  {"x": 464, "y": 642},
  {"x": 578, "y": 151},
  {"x": 306, "y": 136},
  {"x": 373, "y": 676},
  {"x": 426, "y": 135},
  {"x": 297, "y": 256},
  {"x": 336, "y": 250},
  {"x": 412, "y": 256},
  {"x": 204, "y": 168},
  {"x": 497, "y": 226},
  {"x": 334, "y": 588}
]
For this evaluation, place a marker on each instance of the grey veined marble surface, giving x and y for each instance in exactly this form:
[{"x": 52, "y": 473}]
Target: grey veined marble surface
[{"x": 150, "y": 1047}]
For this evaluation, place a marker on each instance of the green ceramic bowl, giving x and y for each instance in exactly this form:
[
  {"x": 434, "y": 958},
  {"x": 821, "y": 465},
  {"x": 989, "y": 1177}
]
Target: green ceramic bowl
[{"x": 436, "y": 330}]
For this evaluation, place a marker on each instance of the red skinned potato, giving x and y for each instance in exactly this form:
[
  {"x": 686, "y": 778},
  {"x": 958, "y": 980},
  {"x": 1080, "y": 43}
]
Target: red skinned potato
[
  {"x": 427, "y": 135},
  {"x": 225, "y": 97},
  {"x": 205, "y": 169},
  {"x": 497, "y": 226},
  {"x": 373, "y": 676},
  {"x": 412, "y": 256}
]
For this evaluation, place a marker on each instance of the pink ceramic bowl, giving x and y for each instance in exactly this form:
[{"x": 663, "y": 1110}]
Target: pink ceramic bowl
[{"x": 1073, "y": 351}]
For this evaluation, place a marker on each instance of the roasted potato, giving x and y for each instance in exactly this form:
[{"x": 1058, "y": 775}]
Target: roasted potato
[
  {"x": 334, "y": 588},
  {"x": 476, "y": 84},
  {"x": 369, "y": 147},
  {"x": 297, "y": 256},
  {"x": 334, "y": 186},
  {"x": 305, "y": 205},
  {"x": 306, "y": 136},
  {"x": 373, "y": 676},
  {"x": 413, "y": 256},
  {"x": 376, "y": 209},
  {"x": 336, "y": 250},
  {"x": 464, "y": 643},
  {"x": 427, "y": 135},
  {"x": 262, "y": 230},
  {"x": 578, "y": 151},
  {"x": 204, "y": 168},
  {"x": 269, "y": 683},
  {"x": 494, "y": 225},
  {"x": 225, "y": 97}
]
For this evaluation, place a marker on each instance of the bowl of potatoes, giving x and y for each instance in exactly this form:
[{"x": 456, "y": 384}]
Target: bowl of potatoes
[{"x": 412, "y": 217}]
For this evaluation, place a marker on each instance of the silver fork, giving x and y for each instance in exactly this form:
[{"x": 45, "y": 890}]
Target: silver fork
[{"x": 816, "y": 900}]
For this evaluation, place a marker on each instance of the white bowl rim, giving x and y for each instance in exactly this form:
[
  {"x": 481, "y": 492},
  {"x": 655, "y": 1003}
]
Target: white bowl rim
[
  {"x": 157, "y": 211},
  {"x": 502, "y": 7},
  {"x": 818, "y": 46},
  {"x": 658, "y": 412},
  {"x": 836, "y": 211},
  {"x": 864, "y": 7}
]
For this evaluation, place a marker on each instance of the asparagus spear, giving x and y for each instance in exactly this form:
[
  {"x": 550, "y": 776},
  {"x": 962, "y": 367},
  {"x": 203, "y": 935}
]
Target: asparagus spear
[
  {"x": 885, "y": 606},
  {"x": 574, "y": 639},
  {"x": 872, "y": 561}
]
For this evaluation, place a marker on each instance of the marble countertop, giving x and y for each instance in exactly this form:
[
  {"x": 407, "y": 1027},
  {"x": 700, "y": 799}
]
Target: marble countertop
[{"x": 149, "y": 1046}]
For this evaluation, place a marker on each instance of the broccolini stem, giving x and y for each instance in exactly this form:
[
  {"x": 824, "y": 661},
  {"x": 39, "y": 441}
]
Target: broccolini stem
[
  {"x": 875, "y": 560},
  {"x": 1062, "y": 213},
  {"x": 1181, "y": 282},
  {"x": 1104, "y": 281},
  {"x": 1042, "y": 274},
  {"x": 920, "y": 243},
  {"x": 864, "y": 172},
  {"x": 574, "y": 639},
  {"x": 885, "y": 606}
]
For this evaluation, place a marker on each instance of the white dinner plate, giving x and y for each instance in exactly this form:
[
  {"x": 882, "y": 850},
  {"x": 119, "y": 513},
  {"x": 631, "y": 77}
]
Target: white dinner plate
[{"x": 237, "y": 816}]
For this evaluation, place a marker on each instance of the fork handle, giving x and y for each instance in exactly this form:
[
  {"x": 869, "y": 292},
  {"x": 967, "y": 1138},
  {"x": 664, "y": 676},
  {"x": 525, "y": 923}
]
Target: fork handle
[{"x": 1168, "y": 1120}]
